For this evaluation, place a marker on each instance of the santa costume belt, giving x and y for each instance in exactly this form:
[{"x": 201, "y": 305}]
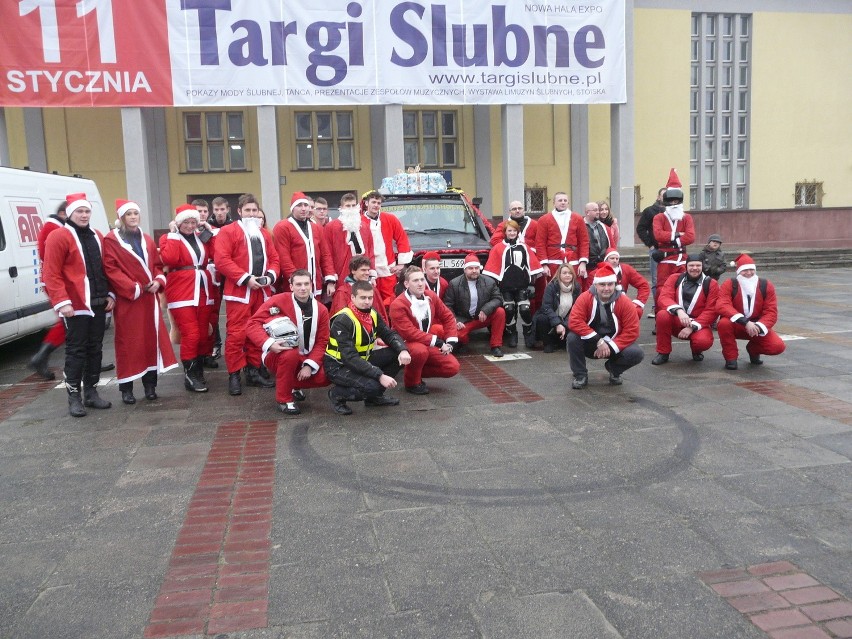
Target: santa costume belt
[
  {"x": 565, "y": 246},
  {"x": 189, "y": 268},
  {"x": 99, "y": 301}
]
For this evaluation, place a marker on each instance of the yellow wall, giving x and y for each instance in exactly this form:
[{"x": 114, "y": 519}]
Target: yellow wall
[
  {"x": 547, "y": 148},
  {"x": 17, "y": 140},
  {"x": 801, "y": 120}
]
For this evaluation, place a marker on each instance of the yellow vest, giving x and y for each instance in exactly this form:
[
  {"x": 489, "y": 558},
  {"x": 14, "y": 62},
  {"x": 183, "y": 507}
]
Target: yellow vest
[{"x": 364, "y": 350}]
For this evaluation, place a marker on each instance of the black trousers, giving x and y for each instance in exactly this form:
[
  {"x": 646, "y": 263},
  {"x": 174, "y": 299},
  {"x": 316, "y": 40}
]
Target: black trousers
[
  {"x": 84, "y": 339},
  {"x": 579, "y": 349},
  {"x": 354, "y": 386},
  {"x": 148, "y": 379}
]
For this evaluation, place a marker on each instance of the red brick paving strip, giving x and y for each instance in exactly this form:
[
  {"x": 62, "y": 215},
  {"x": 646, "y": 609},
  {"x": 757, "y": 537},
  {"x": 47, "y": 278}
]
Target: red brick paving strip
[
  {"x": 783, "y": 601},
  {"x": 494, "y": 382},
  {"x": 20, "y": 394},
  {"x": 804, "y": 398},
  {"x": 218, "y": 576}
]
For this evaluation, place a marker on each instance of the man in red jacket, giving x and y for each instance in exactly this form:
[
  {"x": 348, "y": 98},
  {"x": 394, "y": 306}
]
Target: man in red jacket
[
  {"x": 748, "y": 310},
  {"x": 561, "y": 236},
  {"x": 391, "y": 248},
  {"x": 292, "y": 350},
  {"x": 432, "y": 270},
  {"x": 245, "y": 256},
  {"x": 673, "y": 232},
  {"x": 347, "y": 236},
  {"x": 687, "y": 310},
  {"x": 603, "y": 325},
  {"x": 627, "y": 276},
  {"x": 429, "y": 330}
]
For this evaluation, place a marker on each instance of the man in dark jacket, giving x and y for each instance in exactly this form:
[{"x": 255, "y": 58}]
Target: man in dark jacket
[
  {"x": 476, "y": 302},
  {"x": 644, "y": 229},
  {"x": 356, "y": 370}
]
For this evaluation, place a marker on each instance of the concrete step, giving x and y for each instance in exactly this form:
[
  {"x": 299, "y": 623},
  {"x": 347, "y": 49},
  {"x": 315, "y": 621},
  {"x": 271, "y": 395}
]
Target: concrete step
[{"x": 765, "y": 259}]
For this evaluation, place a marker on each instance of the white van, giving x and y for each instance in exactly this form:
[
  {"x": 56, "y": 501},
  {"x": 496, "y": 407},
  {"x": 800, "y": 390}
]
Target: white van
[{"x": 27, "y": 198}]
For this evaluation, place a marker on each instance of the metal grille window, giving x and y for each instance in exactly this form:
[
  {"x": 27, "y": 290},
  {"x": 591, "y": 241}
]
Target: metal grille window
[
  {"x": 808, "y": 193},
  {"x": 325, "y": 140},
  {"x": 719, "y": 111},
  {"x": 430, "y": 138},
  {"x": 214, "y": 141},
  {"x": 535, "y": 200}
]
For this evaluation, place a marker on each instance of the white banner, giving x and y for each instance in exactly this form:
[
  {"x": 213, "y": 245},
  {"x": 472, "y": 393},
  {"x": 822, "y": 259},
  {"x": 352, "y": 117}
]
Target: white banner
[{"x": 253, "y": 52}]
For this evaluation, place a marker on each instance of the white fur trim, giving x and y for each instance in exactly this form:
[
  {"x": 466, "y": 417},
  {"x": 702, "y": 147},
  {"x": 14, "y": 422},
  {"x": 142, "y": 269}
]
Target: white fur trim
[
  {"x": 76, "y": 204},
  {"x": 301, "y": 200},
  {"x": 124, "y": 208},
  {"x": 183, "y": 216},
  {"x": 745, "y": 267},
  {"x": 608, "y": 278}
]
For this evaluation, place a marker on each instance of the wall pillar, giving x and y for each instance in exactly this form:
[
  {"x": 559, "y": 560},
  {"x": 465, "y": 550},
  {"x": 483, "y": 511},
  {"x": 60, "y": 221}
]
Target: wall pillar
[
  {"x": 512, "y": 123},
  {"x": 622, "y": 140},
  {"x": 270, "y": 164},
  {"x": 34, "y": 133},
  {"x": 580, "y": 181},
  {"x": 483, "y": 186}
]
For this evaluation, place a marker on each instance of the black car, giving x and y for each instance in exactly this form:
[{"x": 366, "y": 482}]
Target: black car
[{"x": 447, "y": 223}]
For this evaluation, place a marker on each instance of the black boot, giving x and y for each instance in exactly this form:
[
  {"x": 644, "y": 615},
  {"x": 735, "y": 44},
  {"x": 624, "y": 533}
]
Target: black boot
[
  {"x": 91, "y": 399},
  {"x": 190, "y": 378},
  {"x": 254, "y": 378},
  {"x": 235, "y": 387},
  {"x": 199, "y": 369},
  {"x": 512, "y": 336},
  {"x": 126, "y": 389},
  {"x": 75, "y": 402},
  {"x": 208, "y": 361},
  {"x": 39, "y": 361},
  {"x": 529, "y": 337},
  {"x": 150, "y": 391}
]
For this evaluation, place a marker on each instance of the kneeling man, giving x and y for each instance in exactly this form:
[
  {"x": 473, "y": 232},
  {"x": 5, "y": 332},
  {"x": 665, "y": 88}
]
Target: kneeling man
[
  {"x": 429, "y": 330},
  {"x": 291, "y": 329}
]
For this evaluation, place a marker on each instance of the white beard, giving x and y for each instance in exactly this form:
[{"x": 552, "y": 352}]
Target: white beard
[
  {"x": 419, "y": 308},
  {"x": 675, "y": 212},
  {"x": 350, "y": 219},
  {"x": 252, "y": 226},
  {"x": 748, "y": 285}
]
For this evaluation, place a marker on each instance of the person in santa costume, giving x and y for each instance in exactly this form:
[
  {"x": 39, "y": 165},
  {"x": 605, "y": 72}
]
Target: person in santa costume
[
  {"x": 748, "y": 309},
  {"x": 247, "y": 260},
  {"x": 299, "y": 243},
  {"x": 603, "y": 325},
  {"x": 687, "y": 310},
  {"x": 391, "y": 248},
  {"x": 189, "y": 295},
  {"x": 627, "y": 276},
  {"x": 359, "y": 271},
  {"x": 294, "y": 357},
  {"x": 79, "y": 291},
  {"x": 431, "y": 262},
  {"x": 347, "y": 236},
  {"x": 515, "y": 266},
  {"x": 527, "y": 227},
  {"x": 207, "y": 232},
  {"x": 673, "y": 232},
  {"x": 561, "y": 236},
  {"x": 429, "y": 330},
  {"x": 357, "y": 370},
  {"x": 134, "y": 270},
  {"x": 476, "y": 302}
]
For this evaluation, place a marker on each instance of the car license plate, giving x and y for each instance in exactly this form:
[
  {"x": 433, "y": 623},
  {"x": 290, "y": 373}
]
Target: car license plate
[{"x": 452, "y": 262}]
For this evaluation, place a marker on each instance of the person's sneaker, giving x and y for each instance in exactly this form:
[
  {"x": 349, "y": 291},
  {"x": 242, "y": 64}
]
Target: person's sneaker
[
  {"x": 580, "y": 382},
  {"x": 497, "y": 352},
  {"x": 697, "y": 357},
  {"x": 731, "y": 364},
  {"x": 661, "y": 358},
  {"x": 217, "y": 352},
  {"x": 381, "y": 400},
  {"x": 418, "y": 389},
  {"x": 652, "y": 314},
  {"x": 289, "y": 408},
  {"x": 338, "y": 404},
  {"x": 299, "y": 395},
  {"x": 107, "y": 367},
  {"x": 755, "y": 360},
  {"x": 210, "y": 362},
  {"x": 549, "y": 348},
  {"x": 614, "y": 379}
]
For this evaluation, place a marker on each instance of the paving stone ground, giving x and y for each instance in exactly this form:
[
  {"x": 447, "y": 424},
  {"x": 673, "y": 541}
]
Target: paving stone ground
[{"x": 690, "y": 502}]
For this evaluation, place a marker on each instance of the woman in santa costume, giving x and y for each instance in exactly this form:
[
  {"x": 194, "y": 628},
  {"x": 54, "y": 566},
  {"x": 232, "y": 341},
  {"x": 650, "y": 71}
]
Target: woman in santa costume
[
  {"x": 673, "y": 232},
  {"x": 748, "y": 310},
  {"x": 299, "y": 244},
  {"x": 188, "y": 292},
  {"x": 133, "y": 268},
  {"x": 294, "y": 359},
  {"x": 514, "y": 266}
]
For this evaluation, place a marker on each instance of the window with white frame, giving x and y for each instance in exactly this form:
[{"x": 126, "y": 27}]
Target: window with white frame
[
  {"x": 431, "y": 138},
  {"x": 808, "y": 194},
  {"x": 325, "y": 140},
  {"x": 214, "y": 141},
  {"x": 719, "y": 110}
]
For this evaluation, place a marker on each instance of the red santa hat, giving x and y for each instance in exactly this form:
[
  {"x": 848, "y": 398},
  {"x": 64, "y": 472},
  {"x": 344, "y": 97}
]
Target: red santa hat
[
  {"x": 612, "y": 251},
  {"x": 743, "y": 262},
  {"x": 298, "y": 198},
  {"x": 431, "y": 255},
  {"x": 75, "y": 201},
  {"x": 123, "y": 206},
  {"x": 605, "y": 273},
  {"x": 674, "y": 189},
  {"x": 185, "y": 212},
  {"x": 472, "y": 260}
]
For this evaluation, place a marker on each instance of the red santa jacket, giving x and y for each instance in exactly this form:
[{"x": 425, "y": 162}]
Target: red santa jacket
[
  {"x": 234, "y": 259},
  {"x": 64, "y": 271},
  {"x": 439, "y": 288},
  {"x": 297, "y": 249},
  {"x": 343, "y": 249},
  {"x": 311, "y": 346},
  {"x": 584, "y": 313},
  {"x": 50, "y": 225},
  {"x": 666, "y": 235},
  {"x": 188, "y": 274},
  {"x": 498, "y": 261},
  {"x": 733, "y": 305},
  {"x": 527, "y": 234},
  {"x": 389, "y": 229},
  {"x": 142, "y": 342},
  {"x": 410, "y": 327},
  {"x": 702, "y": 308},
  {"x": 627, "y": 277},
  {"x": 554, "y": 247}
]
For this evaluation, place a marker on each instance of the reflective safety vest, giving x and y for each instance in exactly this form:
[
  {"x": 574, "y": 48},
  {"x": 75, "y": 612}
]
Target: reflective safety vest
[{"x": 360, "y": 336}]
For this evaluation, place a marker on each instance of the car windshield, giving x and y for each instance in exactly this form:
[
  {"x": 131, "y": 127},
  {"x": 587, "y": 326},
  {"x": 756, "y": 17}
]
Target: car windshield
[{"x": 433, "y": 217}]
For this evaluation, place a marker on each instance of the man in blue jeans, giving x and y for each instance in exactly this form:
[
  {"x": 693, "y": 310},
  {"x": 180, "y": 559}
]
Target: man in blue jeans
[{"x": 646, "y": 234}]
